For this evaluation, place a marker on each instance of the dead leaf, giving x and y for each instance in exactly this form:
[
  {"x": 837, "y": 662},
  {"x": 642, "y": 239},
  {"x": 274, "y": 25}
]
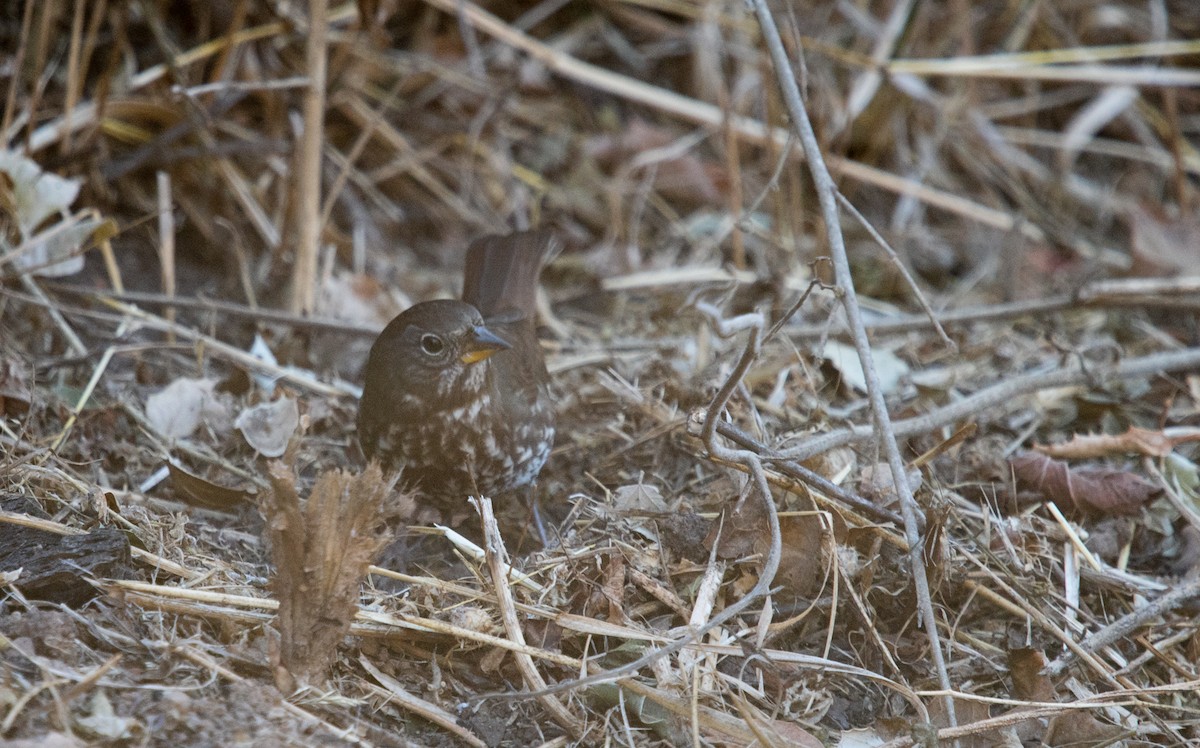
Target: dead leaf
[
  {"x": 741, "y": 531},
  {"x": 794, "y": 735},
  {"x": 1029, "y": 684},
  {"x": 30, "y": 197},
  {"x": 966, "y": 712},
  {"x": 15, "y": 394},
  {"x": 804, "y": 562},
  {"x": 685, "y": 177},
  {"x": 268, "y": 427},
  {"x": 1101, "y": 490},
  {"x": 178, "y": 409},
  {"x": 1189, "y": 551},
  {"x": 204, "y": 493},
  {"x": 1184, "y": 474},
  {"x": 104, "y": 723},
  {"x": 1163, "y": 245},
  {"x": 890, "y": 368},
  {"x": 648, "y": 713},
  {"x": 1076, "y": 728},
  {"x": 1134, "y": 441},
  {"x": 639, "y": 498},
  {"x": 775, "y": 733},
  {"x": 877, "y": 484},
  {"x": 358, "y": 299},
  {"x": 35, "y": 195},
  {"x": 860, "y": 737},
  {"x": 1025, "y": 665}
]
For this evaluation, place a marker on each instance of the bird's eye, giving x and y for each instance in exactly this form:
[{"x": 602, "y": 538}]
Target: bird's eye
[{"x": 432, "y": 344}]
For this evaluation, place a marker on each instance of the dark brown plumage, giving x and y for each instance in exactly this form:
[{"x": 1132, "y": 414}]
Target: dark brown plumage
[{"x": 456, "y": 393}]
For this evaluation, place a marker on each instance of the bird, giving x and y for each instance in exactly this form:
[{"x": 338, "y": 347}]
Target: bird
[{"x": 456, "y": 395}]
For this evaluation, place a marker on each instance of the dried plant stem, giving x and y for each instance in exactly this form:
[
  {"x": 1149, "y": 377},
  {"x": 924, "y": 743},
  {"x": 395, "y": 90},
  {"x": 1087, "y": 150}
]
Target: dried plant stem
[
  {"x": 213, "y": 345},
  {"x": 204, "y": 660},
  {"x": 826, "y": 194},
  {"x": 84, "y": 397},
  {"x": 308, "y": 175},
  {"x": 166, "y": 245},
  {"x": 1142, "y": 293},
  {"x": 88, "y": 113},
  {"x": 75, "y": 71},
  {"x": 1124, "y": 626},
  {"x": 797, "y": 472},
  {"x": 756, "y": 324},
  {"x": 499, "y": 569},
  {"x": 321, "y": 552},
  {"x": 867, "y": 84},
  {"x": 232, "y": 309},
  {"x": 1120, "y": 292},
  {"x": 1183, "y": 504},
  {"x": 393, "y": 691},
  {"x": 1003, "y": 394},
  {"x": 18, "y": 65},
  {"x": 709, "y": 115},
  {"x": 35, "y": 290},
  {"x": 209, "y": 343}
]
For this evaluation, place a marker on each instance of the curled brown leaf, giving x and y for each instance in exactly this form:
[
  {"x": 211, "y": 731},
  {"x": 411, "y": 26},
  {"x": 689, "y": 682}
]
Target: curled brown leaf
[{"x": 1094, "y": 489}]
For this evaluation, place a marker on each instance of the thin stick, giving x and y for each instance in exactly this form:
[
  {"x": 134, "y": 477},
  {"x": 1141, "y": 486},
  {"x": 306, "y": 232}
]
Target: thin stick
[
  {"x": 233, "y": 309},
  {"x": 166, "y": 245},
  {"x": 907, "y": 276},
  {"x": 494, "y": 544},
  {"x": 867, "y": 84},
  {"x": 826, "y": 191},
  {"x": 84, "y": 397},
  {"x": 1125, "y": 625},
  {"x": 68, "y": 332},
  {"x": 41, "y": 48},
  {"x": 294, "y": 376},
  {"x": 813, "y": 480},
  {"x": 89, "y": 112},
  {"x": 394, "y": 692},
  {"x": 1002, "y": 394}
]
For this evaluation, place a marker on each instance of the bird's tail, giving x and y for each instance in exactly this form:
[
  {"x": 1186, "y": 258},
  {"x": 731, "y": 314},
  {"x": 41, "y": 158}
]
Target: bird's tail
[{"x": 501, "y": 272}]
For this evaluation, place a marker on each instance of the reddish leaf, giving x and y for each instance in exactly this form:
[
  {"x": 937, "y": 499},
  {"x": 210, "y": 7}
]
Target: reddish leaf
[
  {"x": 1029, "y": 684},
  {"x": 1101, "y": 490}
]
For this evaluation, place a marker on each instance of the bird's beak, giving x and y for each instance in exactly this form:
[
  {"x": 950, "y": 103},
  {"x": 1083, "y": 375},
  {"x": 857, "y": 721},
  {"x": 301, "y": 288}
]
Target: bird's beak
[{"x": 481, "y": 343}]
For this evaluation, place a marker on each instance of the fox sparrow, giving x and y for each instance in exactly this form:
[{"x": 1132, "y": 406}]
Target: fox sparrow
[{"x": 456, "y": 392}]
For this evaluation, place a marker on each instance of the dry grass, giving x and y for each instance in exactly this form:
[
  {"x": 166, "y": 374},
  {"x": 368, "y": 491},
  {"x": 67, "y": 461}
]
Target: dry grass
[{"x": 1033, "y": 167}]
